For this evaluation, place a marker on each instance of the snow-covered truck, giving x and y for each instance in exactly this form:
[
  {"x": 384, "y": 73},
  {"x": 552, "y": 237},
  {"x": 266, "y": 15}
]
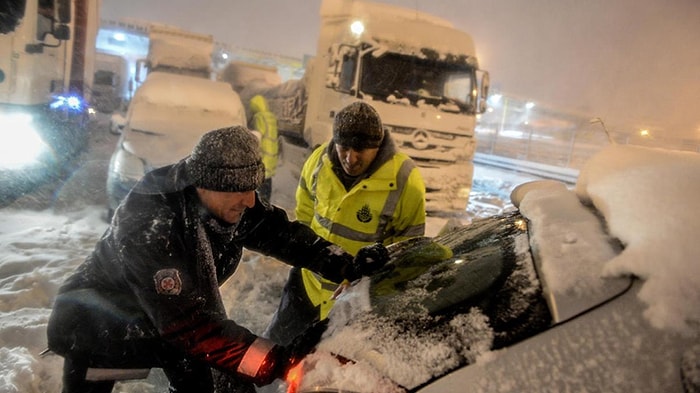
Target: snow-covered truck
[
  {"x": 176, "y": 51},
  {"x": 176, "y": 103},
  {"x": 110, "y": 88},
  {"x": 419, "y": 72},
  {"x": 47, "y": 54}
]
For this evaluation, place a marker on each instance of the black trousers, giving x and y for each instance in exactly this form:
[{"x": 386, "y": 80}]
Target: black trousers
[
  {"x": 92, "y": 330},
  {"x": 184, "y": 376},
  {"x": 295, "y": 312}
]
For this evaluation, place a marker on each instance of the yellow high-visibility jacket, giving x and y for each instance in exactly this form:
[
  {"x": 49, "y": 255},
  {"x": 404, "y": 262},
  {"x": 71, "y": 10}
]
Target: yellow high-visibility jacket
[
  {"x": 386, "y": 207},
  {"x": 265, "y": 122}
]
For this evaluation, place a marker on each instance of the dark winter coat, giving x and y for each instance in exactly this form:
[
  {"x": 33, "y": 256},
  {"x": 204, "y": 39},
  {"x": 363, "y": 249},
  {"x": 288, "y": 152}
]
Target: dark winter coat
[{"x": 155, "y": 273}]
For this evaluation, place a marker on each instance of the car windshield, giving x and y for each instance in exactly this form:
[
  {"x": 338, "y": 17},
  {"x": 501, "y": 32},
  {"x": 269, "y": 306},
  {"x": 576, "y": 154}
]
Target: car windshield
[{"x": 445, "y": 301}]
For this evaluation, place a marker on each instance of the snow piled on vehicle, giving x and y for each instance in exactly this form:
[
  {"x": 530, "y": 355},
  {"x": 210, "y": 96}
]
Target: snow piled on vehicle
[
  {"x": 631, "y": 214},
  {"x": 645, "y": 196}
]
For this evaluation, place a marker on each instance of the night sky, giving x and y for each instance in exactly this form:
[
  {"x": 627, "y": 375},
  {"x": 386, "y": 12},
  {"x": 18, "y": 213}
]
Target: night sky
[{"x": 631, "y": 62}]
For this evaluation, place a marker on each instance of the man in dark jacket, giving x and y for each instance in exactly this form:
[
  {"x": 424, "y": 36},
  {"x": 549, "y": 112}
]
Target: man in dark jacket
[{"x": 148, "y": 295}]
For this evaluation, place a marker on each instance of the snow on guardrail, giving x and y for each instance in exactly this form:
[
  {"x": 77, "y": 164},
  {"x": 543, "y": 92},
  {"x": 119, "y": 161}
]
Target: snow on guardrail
[{"x": 567, "y": 175}]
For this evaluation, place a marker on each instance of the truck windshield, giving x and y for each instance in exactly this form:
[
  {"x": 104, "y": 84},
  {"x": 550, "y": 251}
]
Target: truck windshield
[{"x": 445, "y": 85}]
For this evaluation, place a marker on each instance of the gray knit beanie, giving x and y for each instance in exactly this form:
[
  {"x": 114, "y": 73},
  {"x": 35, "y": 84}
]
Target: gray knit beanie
[
  {"x": 358, "y": 126},
  {"x": 227, "y": 159}
]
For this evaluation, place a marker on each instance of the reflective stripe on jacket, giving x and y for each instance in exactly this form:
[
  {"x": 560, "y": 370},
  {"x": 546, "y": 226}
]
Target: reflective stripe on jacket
[
  {"x": 265, "y": 122},
  {"x": 386, "y": 207}
]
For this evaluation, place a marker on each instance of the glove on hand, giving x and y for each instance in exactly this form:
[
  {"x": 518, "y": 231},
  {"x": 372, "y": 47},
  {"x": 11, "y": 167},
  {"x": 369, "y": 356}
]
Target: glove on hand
[
  {"x": 369, "y": 259},
  {"x": 304, "y": 343},
  {"x": 282, "y": 358}
]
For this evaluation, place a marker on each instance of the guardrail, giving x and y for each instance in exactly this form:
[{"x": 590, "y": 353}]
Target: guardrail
[{"x": 567, "y": 175}]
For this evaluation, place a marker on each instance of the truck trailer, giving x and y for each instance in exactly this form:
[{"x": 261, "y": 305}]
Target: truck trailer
[
  {"x": 110, "y": 88},
  {"x": 419, "y": 72}
]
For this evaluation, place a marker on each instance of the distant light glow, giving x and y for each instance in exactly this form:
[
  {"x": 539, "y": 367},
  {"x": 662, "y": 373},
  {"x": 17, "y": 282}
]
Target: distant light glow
[
  {"x": 494, "y": 99},
  {"x": 121, "y": 37},
  {"x": 357, "y": 28},
  {"x": 530, "y": 105},
  {"x": 224, "y": 56},
  {"x": 644, "y": 133},
  {"x": 73, "y": 102}
]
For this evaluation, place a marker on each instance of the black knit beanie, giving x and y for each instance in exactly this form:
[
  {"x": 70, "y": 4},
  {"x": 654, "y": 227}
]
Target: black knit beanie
[
  {"x": 358, "y": 126},
  {"x": 227, "y": 159}
]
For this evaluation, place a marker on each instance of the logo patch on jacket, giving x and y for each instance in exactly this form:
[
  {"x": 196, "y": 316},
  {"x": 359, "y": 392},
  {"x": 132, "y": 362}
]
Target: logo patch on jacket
[
  {"x": 168, "y": 282},
  {"x": 364, "y": 214}
]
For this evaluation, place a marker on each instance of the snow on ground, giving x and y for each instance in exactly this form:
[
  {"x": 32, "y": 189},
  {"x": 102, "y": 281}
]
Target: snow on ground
[{"x": 43, "y": 242}]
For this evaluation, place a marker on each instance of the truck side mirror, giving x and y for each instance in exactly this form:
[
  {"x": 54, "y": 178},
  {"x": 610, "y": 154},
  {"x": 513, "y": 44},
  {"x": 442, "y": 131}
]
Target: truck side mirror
[
  {"x": 61, "y": 32},
  {"x": 341, "y": 67},
  {"x": 63, "y": 13},
  {"x": 333, "y": 70},
  {"x": 141, "y": 67},
  {"x": 117, "y": 123},
  {"x": 484, "y": 85}
]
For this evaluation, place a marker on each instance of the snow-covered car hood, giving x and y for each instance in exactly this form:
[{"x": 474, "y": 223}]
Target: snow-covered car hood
[{"x": 601, "y": 323}]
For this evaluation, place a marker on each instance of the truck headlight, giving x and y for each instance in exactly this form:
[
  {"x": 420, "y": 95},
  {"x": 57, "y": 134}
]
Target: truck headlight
[{"x": 20, "y": 143}]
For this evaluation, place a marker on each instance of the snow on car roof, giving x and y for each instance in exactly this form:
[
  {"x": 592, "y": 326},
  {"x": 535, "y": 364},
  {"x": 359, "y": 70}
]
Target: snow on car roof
[
  {"x": 170, "y": 112},
  {"x": 164, "y": 97},
  {"x": 176, "y": 90}
]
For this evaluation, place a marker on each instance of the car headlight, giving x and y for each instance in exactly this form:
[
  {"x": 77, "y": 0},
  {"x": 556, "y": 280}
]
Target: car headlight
[
  {"x": 20, "y": 143},
  {"x": 127, "y": 167}
]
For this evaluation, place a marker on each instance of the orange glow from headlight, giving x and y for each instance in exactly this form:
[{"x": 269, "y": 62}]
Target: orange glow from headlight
[{"x": 293, "y": 378}]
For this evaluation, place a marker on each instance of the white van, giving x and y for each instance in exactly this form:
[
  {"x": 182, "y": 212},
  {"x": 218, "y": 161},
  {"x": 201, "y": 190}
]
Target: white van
[{"x": 166, "y": 117}]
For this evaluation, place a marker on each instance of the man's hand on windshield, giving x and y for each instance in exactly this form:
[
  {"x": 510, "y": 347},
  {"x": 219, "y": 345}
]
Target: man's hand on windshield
[{"x": 369, "y": 259}]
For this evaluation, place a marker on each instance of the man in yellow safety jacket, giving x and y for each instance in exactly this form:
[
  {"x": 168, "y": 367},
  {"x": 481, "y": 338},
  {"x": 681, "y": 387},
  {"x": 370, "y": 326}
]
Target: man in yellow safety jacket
[
  {"x": 354, "y": 191},
  {"x": 265, "y": 122}
]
